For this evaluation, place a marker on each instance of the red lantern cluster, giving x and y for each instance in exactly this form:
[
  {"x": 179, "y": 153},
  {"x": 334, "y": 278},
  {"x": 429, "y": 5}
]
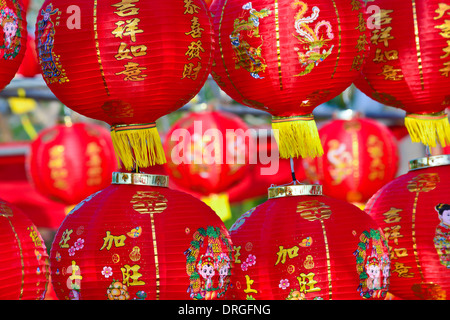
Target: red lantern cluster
[
  {"x": 288, "y": 57},
  {"x": 137, "y": 239},
  {"x": 300, "y": 245},
  {"x": 206, "y": 152},
  {"x": 13, "y": 39},
  {"x": 68, "y": 162},
  {"x": 414, "y": 210},
  {"x": 361, "y": 156},
  {"x": 409, "y": 65},
  {"x": 134, "y": 54},
  {"x": 24, "y": 265}
]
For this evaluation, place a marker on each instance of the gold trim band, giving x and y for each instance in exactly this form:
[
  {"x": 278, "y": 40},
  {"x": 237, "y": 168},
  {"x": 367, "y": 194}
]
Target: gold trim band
[
  {"x": 307, "y": 117},
  {"x": 429, "y": 162},
  {"x": 429, "y": 116},
  {"x": 295, "y": 191},
  {"x": 140, "y": 179}
]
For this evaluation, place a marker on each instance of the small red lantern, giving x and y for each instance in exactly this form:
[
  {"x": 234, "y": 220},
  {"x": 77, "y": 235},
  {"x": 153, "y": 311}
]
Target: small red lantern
[
  {"x": 300, "y": 245},
  {"x": 287, "y": 57},
  {"x": 361, "y": 156},
  {"x": 409, "y": 65},
  {"x": 24, "y": 266},
  {"x": 137, "y": 239},
  {"x": 140, "y": 60},
  {"x": 30, "y": 64},
  {"x": 68, "y": 162},
  {"x": 413, "y": 210},
  {"x": 13, "y": 39}
]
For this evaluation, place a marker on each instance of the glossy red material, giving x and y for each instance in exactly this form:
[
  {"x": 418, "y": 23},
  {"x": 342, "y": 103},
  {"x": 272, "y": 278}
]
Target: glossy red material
[
  {"x": 13, "y": 39},
  {"x": 30, "y": 65},
  {"x": 67, "y": 163},
  {"x": 119, "y": 61},
  {"x": 287, "y": 57},
  {"x": 24, "y": 263},
  {"x": 413, "y": 211},
  {"x": 130, "y": 242},
  {"x": 308, "y": 248},
  {"x": 202, "y": 156},
  {"x": 360, "y": 156}
]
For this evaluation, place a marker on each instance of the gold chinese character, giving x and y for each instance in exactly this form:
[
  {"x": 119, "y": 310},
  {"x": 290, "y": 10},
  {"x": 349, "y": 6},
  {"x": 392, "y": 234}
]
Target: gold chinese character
[
  {"x": 362, "y": 42},
  {"x": 149, "y": 202},
  {"x": 392, "y": 215},
  {"x": 356, "y": 5},
  {"x": 65, "y": 238},
  {"x": 249, "y": 283},
  {"x": 190, "y": 8},
  {"x": 362, "y": 23},
  {"x": 283, "y": 253},
  {"x": 443, "y": 7},
  {"x": 127, "y": 29},
  {"x": 196, "y": 29},
  {"x": 445, "y": 27},
  {"x": 133, "y": 72},
  {"x": 131, "y": 273},
  {"x": 402, "y": 270},
  {"x": 446, "y": 70},
  {"x": 382, "y": 35},
  {"x": 357, "y": 62},
  {"x": 190, "y": 71},
  {"x": 391, "y": 74},
  {"x": 119, "y": 241},
  {"x": 136, "y": 51},
  {"x": 393, "y": 233},
  {"x": 126, "y": 8},
  {"x": 307, "y": 283},
  {"x": 237, "y": 254},
  {"x": 446, "y": 50},
  {"x": 194, "y": 50},
  {"x": 313, "y": 210}
]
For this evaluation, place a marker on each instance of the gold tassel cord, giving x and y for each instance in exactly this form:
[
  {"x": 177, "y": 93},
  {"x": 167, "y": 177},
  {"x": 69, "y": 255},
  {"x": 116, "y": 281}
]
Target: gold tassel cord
[
  {"x": 137, "y": 145},
  {"x": 428, "y": 128},
  {"x": 297, "y": 137}
]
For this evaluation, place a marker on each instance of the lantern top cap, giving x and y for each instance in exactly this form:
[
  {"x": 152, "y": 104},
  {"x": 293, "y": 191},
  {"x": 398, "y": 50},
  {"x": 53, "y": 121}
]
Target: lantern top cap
[
  {"x": 294, "y": 190},
  {"x": 141, "y": 179},
  {"x": 429, "y": 162}
]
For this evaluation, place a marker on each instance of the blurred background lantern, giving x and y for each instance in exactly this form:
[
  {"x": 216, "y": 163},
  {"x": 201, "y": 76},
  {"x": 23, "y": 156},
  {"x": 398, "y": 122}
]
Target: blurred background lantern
[
  {"x": 301, "y": 245},
  {"x": 68, "y": 162},
  {"x": 24, "y": 265},
  {"x": 134, "y": 54},
  {"x": 138, "y": 239},
  {"x": 13, "y": 39},
  {"x": 413, "y": 210},
  {"x": 361, "y": 156},
  {"x": 269, "y": 170},
  {"x": 207, "y": 153},
  {"x": 30, "y": 66},
  {"x": 409, "y": 65},
  {"x": 288, "y": 57}
]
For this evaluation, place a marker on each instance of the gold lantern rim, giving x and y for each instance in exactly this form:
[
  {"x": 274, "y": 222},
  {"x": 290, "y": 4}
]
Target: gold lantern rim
[
  {"x": 140, "y": 179},
  {"x": 429, "y": 162},
  {"x": 294, "y": 190}
]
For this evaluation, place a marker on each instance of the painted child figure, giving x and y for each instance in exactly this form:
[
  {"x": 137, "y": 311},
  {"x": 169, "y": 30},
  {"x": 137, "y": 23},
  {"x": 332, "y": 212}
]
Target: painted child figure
[
  {"x": 11, "y": 42},
  {"x": 442, "y": 236}
]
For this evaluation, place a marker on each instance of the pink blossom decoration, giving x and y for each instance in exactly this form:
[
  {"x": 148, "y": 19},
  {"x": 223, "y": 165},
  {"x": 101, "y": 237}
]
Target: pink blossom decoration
[
  {"x": 107, "y": 272},
  {"x": 284, "y": 283}
]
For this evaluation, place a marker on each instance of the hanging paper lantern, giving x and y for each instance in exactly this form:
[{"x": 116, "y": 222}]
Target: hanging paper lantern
[
  {"x": 288, "y": 57},
  {"x": 301, "y": 245},
  {"x": 30, "y": 65},
  {"x": 137, "y": 239},
  {"x": 409, "y": 65},
  {"x": 414, "y": 210},
  {"x": 207, "y": 153},
  {"x": 68, "y": 162},
  {"x": 361, "y": 156},
  {"x": 13, "y": 39},
  {"x": 139, "y": 60},
  {"x": 24, "y": 266}
]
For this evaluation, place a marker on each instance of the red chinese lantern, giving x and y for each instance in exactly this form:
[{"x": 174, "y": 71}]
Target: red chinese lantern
[
  {"x": 207, "y": 153},
  {"x": 137, "y": 239},
  {"x": 140, "y": 60},
  {"x": 68, "y": 162},
  {"x": 414, "y": 210},
  {"x": 30, "y": 65},
  {"x": 24, "y": 265},
  {"x": 301, "y": 245},
  {"x": 409, "y": 65},
  {"x": 13, "y": 39},
  {"x": 361, "y": 156},
  {"x": 286, "y": 58}
]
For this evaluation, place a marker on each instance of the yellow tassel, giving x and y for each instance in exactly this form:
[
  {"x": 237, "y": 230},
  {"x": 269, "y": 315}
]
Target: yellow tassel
[
  {"x": 428, "y": 128},
  {"x": 220, "y": 204},
  {"x": 137, "y": 145},
  {"x": 297, "y": 137}
]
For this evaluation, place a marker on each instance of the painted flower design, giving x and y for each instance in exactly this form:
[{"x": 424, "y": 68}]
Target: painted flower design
[
  {"x": 107, "y": 272},
  {"x": 244, "y": 266},
  {"x": 251, "y": 260},
  {"x": 284, "y": 283},
  {"x": 79, "y": 244},
  {"x": 71, "y": 251}
]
